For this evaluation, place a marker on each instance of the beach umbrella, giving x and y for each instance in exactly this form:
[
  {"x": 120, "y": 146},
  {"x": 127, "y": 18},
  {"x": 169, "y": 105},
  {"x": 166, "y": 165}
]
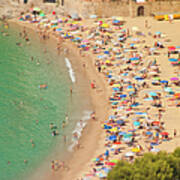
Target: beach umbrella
[
  {"x": 152, "y": 93},
  {"x": 121, "y": 133},
  {"x": 177, "y": 95},
  {"x": 149, "y": 133},
  {"x": 154, "y": 144},
  {"x": 171, "y": 48},
  {"x": 58, "y": 29},
  {"x": 112, "y": 137},
  {"x": 136, "y": 123},
  {"x": 168, "y": 89},
  {"x": 105, "y": 25},
  {"x": 42, "y": 14},
  {"x": 164, "y": 81},
  {"x": 114, "y": 160},
  {"x": 156, "y": 123},
  {"x": 110, "y": 163},
  {"x": 135, "y": 150},
  {"x": 93, "y": 16},
  {"x": 129, "y": 154},
  {"x": 127, "y": 135},
  {"x": 132, "y": 130},
  {"x": 155, "y": 150},
  {"x": 173, "y": 60},
  {"x": 158, "y": 33},
  {"x": 139, "y": 78},
  {"x": 164, "y": 133},
  {"x": 134, "y": 59},
  {"x": 174, "y": 79},
  {"x": 36, "y": 9},
  {"x": 106, "y": 52},
  {"x": 120, "y": 122},
  {"x": 123, "y": 96}
]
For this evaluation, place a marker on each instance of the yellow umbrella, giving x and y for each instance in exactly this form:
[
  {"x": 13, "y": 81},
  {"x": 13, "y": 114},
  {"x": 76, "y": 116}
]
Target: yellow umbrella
[
  {"x": 116, "y": 85},
  {"x": 107, "y": 61},
  {"x": 105, "y": 25},
  {"x": 135, "y": 150},
  {"x": 115, "y": 129}
]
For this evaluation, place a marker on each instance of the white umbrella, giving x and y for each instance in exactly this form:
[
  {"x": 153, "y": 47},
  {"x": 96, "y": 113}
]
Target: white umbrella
[{"x": 129, "y": 154}]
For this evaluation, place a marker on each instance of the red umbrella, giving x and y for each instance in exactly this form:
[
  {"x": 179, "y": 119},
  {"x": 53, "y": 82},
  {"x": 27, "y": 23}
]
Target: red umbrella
[
  {"x": 117, "y": 142},
  {"x": 164, "y": 133},
  {"x": 110, "y": 163},
  {"x": 156, "y": 122}
]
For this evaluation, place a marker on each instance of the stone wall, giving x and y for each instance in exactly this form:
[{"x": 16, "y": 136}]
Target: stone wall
[
  {"x": 156, "y": 7},
  {"x": 98, "y": 7},
  {"x": 106, "y": 8}
]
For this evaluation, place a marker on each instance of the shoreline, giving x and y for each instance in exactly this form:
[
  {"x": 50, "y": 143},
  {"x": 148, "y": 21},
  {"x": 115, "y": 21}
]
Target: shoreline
[{"x": 92, "y": 127}]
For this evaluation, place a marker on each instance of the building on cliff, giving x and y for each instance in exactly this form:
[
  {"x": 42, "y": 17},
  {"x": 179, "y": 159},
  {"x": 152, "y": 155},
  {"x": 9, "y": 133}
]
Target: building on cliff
[{"x": 106, "y": 8}]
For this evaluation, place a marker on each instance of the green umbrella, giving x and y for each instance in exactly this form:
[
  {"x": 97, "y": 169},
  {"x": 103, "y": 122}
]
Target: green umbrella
[
  {"x": 36, "y": 9},
  {"x": 42, "y": 15}
]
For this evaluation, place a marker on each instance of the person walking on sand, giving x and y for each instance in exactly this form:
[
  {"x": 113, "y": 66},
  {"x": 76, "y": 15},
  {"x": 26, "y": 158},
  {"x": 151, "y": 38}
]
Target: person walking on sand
[
  {"x": 52, "y": 165},
  {"x": 175, "y": 132}
]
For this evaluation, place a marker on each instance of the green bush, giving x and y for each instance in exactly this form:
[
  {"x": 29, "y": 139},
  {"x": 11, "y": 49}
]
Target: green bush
[{"x": 160, "y": 166}]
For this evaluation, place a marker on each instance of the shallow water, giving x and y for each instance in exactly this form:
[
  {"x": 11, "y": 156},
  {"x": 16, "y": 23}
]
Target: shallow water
[{"x": 26, "y": 111}]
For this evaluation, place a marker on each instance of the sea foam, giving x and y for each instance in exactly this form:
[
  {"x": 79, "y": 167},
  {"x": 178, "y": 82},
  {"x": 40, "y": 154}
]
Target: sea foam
[
  {"x": 79, "y": 128},
  {"x": 71, "y": 72}
]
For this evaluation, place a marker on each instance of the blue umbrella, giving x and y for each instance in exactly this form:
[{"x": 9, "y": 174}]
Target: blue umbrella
[
  {"x": 140, "y": 113},
  {"x": 123, "y": 96},
  {"x": 59, "y": 29},
  {"x": 134, "y": 58},
  {"x": 136, "y": 123},
  {"x": 153, "y": 94},
  {"x": 135, "y": 105},
  {"x": 115, "y": 89},
  {"x": 129, "y": 87},
  {"x": 112, "y": 138},
  {"x": 116, "y": 21},
  {"x": 168, "y": 89},
  {"x": 122, "y": 133},
  {"x": 163, "y": 81},
  {"x": 120, "y": 122},
  {"x": 107, "y": 127},
  {"x": 173, "y": 60},
  {"x": 106, "y": 52},
  {"x": 114, "y": 103},
  {"x": 138, "y": 78},
  {"x": 149, "y": 133},
  {"x": 112, "y": 117},
  {"x": 83, "y": 46}
]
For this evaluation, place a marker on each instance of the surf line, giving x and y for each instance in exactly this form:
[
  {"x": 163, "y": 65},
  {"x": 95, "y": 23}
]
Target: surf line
[{"x": 70, "y": 70}]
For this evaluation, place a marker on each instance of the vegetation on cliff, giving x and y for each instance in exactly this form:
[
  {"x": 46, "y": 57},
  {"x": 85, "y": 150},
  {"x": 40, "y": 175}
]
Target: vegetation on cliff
[{"x": 160, "y": 166}]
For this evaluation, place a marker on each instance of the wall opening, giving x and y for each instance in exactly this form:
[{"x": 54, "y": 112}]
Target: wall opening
[
  {"x": 49, "y": 1},
  {"x": 140, "y": 11},
  {"x": 62, "y": 2},
  {"x": 25, "y": 1}
]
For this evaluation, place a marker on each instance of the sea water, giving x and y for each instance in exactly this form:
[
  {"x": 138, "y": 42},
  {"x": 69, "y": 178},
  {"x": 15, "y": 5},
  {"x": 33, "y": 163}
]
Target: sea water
[{"x": 26, "y": 110}]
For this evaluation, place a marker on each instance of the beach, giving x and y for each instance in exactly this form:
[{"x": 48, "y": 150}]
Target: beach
[{"x": 92, "y": 141}]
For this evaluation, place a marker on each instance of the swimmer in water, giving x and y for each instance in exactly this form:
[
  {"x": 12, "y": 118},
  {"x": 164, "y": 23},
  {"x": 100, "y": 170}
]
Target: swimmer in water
[{"x": 18, "y": 44}]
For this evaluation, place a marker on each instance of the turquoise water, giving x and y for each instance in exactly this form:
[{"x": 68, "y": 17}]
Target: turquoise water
[{"x": 25, "y": 110}]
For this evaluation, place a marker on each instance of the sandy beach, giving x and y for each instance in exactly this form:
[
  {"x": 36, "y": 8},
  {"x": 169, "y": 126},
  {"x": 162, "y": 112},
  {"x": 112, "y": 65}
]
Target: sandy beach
[{"x": 92, "y": 142}]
